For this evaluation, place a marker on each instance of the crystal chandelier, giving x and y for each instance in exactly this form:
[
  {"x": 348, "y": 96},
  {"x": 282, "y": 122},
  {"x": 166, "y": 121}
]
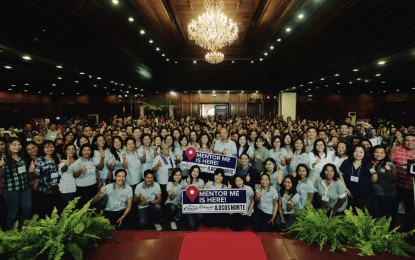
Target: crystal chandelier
[
  {"x": 213, "y": 30},
  {"x": 214, "y": 57}
]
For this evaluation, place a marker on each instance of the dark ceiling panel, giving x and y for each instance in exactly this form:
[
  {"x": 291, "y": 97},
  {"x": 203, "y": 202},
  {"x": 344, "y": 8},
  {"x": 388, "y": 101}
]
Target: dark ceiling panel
[{"x": 95, "y": 38}]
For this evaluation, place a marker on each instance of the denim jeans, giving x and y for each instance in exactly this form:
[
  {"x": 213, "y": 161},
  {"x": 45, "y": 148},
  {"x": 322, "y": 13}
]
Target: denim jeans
[
  {"x": 155, "y": 210},
  {"x": 15, "y": 200},
  {"x": 172, "y": 211}
]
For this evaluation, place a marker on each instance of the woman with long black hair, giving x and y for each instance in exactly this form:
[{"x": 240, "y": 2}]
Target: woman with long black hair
[
  {"x": 47, "y": 170},
  {"x": 16, "y": 192}
]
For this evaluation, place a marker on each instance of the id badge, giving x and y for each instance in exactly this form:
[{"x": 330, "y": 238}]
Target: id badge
[
  {"x": 54, "y": 175},
  {"x": 21, "y": 169},
  {"x": 325, "y": 198},
  {"x": 354, "y": 179}
]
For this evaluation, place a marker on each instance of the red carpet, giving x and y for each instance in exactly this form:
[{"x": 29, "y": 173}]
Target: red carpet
[{"x": 221, "y": 244}]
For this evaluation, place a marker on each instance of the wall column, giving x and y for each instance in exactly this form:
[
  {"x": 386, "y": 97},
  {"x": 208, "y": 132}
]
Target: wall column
[{"x": 288, "y": 105}]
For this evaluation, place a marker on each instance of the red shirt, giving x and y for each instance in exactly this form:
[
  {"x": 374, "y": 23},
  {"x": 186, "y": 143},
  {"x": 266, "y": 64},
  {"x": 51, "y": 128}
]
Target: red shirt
[{"x": 399, "y": 158}]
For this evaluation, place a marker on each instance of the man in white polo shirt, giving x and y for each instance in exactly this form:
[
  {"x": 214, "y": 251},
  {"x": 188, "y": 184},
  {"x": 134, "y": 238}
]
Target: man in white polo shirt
[
  {"x": 224, "y": 145},
  {"x": 148, "y": 196}
]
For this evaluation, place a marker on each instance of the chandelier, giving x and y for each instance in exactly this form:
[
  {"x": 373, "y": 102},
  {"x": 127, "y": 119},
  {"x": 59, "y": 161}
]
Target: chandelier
[
  {"x": 213, "y": 30},
  {"x": 214, "y": 57}
]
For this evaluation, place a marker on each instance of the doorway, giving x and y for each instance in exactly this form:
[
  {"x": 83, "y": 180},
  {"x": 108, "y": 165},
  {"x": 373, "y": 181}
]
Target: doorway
[{"x": 214, "y": 110}]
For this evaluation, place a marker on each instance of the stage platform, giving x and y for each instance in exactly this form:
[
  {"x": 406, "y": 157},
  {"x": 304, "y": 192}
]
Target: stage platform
[{"x": 214, "y": 243}]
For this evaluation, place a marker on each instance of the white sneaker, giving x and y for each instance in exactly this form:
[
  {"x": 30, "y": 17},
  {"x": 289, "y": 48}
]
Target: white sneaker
[
  {"x": 173, "y": 225},
  {"x": 158, "y": 227}
]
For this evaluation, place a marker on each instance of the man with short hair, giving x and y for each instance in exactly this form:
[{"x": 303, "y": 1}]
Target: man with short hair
[
  {"x": 87, "y": 131},
  {"x": 148, "y": 196},
  {"x": 224, "y": 145},
  {"x": 404, "y": 180}
]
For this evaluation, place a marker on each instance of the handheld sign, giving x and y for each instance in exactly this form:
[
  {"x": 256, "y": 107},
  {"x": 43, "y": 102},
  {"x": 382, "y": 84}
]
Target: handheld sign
[
  {"x": 213, "y": 201},
  {"x": 208, "y": 162}
]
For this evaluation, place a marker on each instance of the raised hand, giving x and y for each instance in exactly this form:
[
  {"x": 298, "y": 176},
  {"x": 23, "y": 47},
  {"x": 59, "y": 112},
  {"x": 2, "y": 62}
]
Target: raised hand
[{"x": 247, "y": 178}]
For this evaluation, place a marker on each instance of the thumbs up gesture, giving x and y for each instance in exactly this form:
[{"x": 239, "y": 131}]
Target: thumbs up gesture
[
  {"x": 171, "y": 191},
  {"x": 229, "y": 185},
  {"x": 247, "y": 178}
]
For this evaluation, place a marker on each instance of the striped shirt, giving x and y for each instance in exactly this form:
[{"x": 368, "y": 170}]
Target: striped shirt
[
  {"x": 15, "y": 178},
  {"x": 400, "y": 158}
]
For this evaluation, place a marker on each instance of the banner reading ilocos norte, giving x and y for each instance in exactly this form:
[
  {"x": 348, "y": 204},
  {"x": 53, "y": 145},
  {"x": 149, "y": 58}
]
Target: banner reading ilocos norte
[
  {"x": 213, "y": 201},
  {"x": 208, "y": 162}
]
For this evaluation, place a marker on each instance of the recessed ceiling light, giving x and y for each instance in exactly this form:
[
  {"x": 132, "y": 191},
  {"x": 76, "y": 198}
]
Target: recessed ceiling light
[
  {"x": 383, "y": 82},
  {"x": 26, "y": 57},
  {"x": 142, "y": 32},
  {"x": 355, "y": 70},
  {"x": 130, "y": 19},
  {"x": 229, "y": 91},
  {"x": 115, "y": 2},
  {"x": 13, "y": 85},
  {"x": 59, "y": 77},
  {"x": 381, "y": 62},
  {"x": 310, "y": 82},
  {"x": 10, "y": 89},
  {"x": 233, "y": 61},
  {"x": 175, "y": 62},
  {"x": 271, "y": 47},
  {"x": 157, "y": 49},
  {"x": 82, "y": 73},
  {"x": 194, "y": 62},
  {"x": 336, "y": 75},
  {"x": 322, "y": 79},
  {"x": 378, "y": 75},
  {"x": 279, "y": 39},
  {"x": 200, "y": 91},
  {"x": 397, "y": 90},
  {"x": 163, "y": 55},
  {"x": 256, "y": 91},
  {"x": 242, "y": 91},
  {"x": 288, "y": 29},
  {"x": 59, "y": 66},
  {"x": 150, "y": 41},
  {"x": 260, "y": 59},
  {"x": 26, "y": 84},
  {"x": 338, "y": 83},
  {"x": 252, "y": 61},
  {"x": 300, "y": 16},
  {"x": 76, "y": 81},
  {"x": 366, "y": 80},
  {"x": 359, "y": 79},
  {"x": 8, "y": 67},
  {"x": 98, "y": 78},
  {"x": 40, "y": 92},
  {"x": 25, "y": 90},
  {"x": 266, "y": 53},
  {"x": 95, "y": 85},
  {"x": 167, "y": 59},
  {"x": 53, "y": 84}
]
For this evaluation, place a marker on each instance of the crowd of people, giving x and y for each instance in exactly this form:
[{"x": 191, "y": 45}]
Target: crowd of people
[{"x": 132, "y": 169}]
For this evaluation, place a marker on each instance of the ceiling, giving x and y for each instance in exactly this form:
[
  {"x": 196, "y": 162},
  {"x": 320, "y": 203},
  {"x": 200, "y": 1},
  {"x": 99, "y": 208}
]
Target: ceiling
[{"x": 92, "y": 48}]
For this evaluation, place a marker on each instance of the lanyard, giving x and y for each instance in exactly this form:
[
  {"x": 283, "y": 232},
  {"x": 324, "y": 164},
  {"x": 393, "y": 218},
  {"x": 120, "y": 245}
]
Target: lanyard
[
  {"x": 166, "y": 163},
  {"x": 243, "y": 173}
]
